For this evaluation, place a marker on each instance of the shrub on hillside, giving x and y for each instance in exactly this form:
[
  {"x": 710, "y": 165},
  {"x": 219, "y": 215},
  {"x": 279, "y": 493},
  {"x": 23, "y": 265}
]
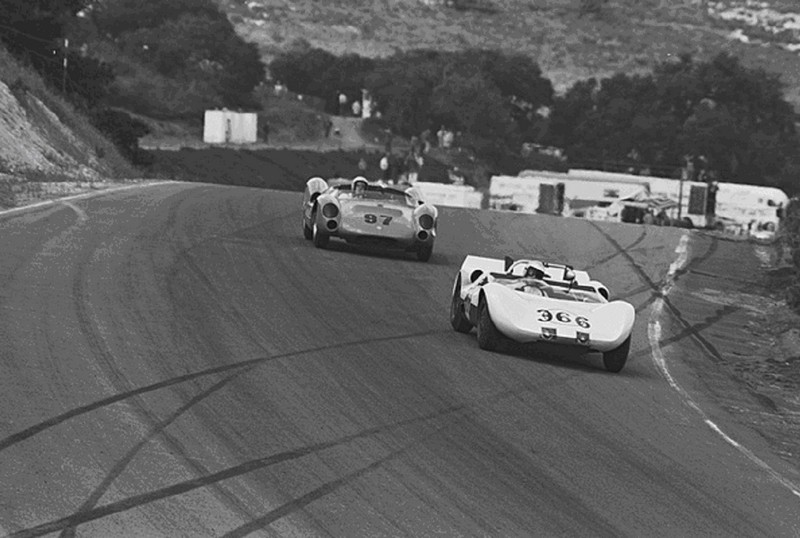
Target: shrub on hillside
[
  {"x": 124, "y": 131},
  {"x": 153, "y": 95},
  {"x": 291, "y": 120}
]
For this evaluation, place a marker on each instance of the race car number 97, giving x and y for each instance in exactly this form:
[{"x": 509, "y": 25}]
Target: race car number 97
[
  {"x": 371, "y": 218},
  {"x": 546, "y": 316}
]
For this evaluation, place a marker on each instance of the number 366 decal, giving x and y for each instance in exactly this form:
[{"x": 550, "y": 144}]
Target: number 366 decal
[{"x": 562, "y": 317}]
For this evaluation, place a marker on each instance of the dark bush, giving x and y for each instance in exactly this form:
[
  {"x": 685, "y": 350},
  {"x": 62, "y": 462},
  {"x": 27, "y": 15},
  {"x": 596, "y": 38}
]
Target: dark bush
[{"x": 124, "y": 131}]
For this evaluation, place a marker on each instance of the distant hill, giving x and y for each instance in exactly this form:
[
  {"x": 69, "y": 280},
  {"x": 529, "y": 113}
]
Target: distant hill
[{"x": 626, "y": 36}]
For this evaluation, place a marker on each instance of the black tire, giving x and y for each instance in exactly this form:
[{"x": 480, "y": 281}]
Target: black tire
[
  {"x": 615, "y": 359},
  {"x": 308, "y": 233},
  {"x": 319, "y": 237},
  {"x": 424, "y": 253},
  {"x": 457, "y": 318},
  {"x": 489, "y": 338}
]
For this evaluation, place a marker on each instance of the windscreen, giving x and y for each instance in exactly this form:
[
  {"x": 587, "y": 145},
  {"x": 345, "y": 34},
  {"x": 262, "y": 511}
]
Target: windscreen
[{"x": 377, "y": 193}]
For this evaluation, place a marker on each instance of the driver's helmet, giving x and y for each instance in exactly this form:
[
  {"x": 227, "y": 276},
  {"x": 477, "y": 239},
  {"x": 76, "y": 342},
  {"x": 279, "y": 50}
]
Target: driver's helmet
[
  {"x": 359, "y": 186},
  {"x": 535, "y": 270}
]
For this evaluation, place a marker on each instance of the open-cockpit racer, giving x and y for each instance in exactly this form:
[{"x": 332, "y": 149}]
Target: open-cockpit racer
[
  {"x": 364, "y": 212},
  {"x": 531, "y": 301}
]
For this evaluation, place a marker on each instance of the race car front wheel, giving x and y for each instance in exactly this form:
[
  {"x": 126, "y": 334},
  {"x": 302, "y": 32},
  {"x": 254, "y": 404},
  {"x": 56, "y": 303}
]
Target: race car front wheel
[
  {"x": 615, "y": 359},
  {"x": 489, "y": 337},
  {"x": 319, "y": 237},
  {"x": 308, "y": 233},
  {"x": 457, "y": 318}
]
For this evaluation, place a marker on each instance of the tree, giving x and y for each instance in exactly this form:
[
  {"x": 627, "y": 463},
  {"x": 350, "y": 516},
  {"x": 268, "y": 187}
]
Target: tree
[
  {"x": 34, "y": 30},
  {"x": 199, "y": 47},
  {"x": 474, "y": 105}
]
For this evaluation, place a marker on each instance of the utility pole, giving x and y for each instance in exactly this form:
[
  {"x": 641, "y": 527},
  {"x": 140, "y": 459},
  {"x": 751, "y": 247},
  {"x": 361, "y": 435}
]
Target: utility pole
[
  {"x": 686, "y": 175},
  {"x": 64, "y": 69}
]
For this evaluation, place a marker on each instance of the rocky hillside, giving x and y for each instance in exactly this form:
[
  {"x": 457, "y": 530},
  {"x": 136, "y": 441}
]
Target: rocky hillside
[
  {"x": 45, "y": 142},
  {"x": 627, "y": 35}
]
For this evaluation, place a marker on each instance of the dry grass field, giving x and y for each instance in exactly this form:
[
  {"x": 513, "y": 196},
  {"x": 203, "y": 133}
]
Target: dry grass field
[{"x": 627, "y": 36}]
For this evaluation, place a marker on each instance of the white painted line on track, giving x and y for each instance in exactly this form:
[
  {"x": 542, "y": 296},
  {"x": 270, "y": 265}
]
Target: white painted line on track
[
  {"x": 64, "y": 200},
  {"x": 654, "y": 336}
]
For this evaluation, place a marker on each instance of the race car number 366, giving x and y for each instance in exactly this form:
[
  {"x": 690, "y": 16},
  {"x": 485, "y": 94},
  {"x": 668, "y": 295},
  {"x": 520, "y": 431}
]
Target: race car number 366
[{"x": 546, "y": 316}]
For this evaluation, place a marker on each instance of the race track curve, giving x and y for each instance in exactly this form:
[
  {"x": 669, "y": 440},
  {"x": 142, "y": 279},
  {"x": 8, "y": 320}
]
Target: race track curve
[{"x": 178, "y": 361}]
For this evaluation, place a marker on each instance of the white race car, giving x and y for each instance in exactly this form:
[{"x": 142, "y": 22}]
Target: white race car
[{"x": 533, "y": 301}]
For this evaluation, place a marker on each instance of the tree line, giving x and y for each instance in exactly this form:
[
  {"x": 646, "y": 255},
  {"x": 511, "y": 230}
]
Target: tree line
[{"x": 730, "y": 122}]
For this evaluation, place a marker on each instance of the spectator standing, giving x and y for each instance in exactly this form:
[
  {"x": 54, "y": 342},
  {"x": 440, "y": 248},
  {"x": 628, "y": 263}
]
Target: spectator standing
[
  {"x": 357, "y": 108},
  {"x": 412, "y": 167},
  {"x": 328, "y": 125},
  {"x": 447, "y": 139},
  {"x": 388, "y": 144},
  {"x": 342, "y": 104},
  {"x": 425, "y": 138},
  {"x": 384, "y": 166},
  {"x": 265, "y": 132},
  {"x": 440, "y": 136}
]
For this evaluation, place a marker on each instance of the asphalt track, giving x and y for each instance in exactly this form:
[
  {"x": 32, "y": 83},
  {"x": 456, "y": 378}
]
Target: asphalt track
[{"x": 178, "y": 361}]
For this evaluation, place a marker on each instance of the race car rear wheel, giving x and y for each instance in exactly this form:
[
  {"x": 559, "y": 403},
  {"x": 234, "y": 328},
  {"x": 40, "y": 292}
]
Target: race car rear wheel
[
  {"x": 319, "y": 237},
  {"x": 424, "y": 253},
  {"x": 489, "y": 337},
  {"x": 308, "y": 233},
  {"x": 457, "y": 318},
  {"x": 615, "y": 359}
]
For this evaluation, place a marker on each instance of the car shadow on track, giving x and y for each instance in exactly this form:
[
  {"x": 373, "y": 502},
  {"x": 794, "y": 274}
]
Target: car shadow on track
[
  {"x": 437, "y": 259},
  {"x": 586, "y": 362}
]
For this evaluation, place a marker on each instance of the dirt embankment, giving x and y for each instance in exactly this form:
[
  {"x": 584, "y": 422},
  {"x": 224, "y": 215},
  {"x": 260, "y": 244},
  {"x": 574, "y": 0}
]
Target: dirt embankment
[{"x": 48, "y": 149}]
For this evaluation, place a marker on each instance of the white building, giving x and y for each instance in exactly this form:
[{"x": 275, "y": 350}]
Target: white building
[{"x": 229, "y": 127}]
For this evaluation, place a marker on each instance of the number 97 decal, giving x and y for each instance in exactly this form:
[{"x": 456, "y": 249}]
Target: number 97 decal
[
  {"x": 546, "y": 316},
  {"x": 371, "y": 218}
]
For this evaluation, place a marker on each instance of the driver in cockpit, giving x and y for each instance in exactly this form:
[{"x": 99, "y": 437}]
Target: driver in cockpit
[
  {"x": 359, "y": 187},
  {"x": 533, "y": 280}
]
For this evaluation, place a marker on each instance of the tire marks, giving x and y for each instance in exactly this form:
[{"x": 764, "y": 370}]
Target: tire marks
[
  {"x": 57, "y": 420},
  {"x": 212, "y": 479},
  {"x": 688, "y": 330}
]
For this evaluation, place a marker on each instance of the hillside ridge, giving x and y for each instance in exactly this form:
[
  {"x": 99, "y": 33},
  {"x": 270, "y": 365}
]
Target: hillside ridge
[{"x": 629, "y": 36}]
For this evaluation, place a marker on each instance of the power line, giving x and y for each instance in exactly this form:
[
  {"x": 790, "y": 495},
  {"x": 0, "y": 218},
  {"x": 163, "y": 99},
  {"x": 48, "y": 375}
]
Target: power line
[{"x": 32, "y": 36}]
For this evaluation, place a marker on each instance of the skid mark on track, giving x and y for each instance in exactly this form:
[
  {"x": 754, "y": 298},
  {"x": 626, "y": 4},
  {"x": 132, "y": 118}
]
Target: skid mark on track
[
  {"x": 659, "y": 290},
  {"x": 661, "y": 300},
  {"x": 654, "y": 335},
  {"x": 123, "y": 463},
  {"x": 40, "y": 427},
  {"x": 90, "y": 327},
  {"x": 316, "y": 494},
  {"x": 226, "y": 474},
  {"x": 452, "y": 413},
  {"x": 617, "y": 252}
]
